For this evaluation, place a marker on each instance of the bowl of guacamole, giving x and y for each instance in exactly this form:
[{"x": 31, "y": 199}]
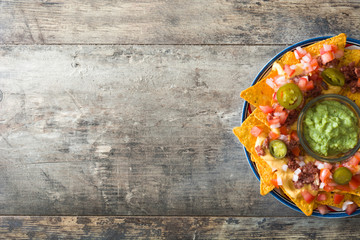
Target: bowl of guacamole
[{"x": 328, "y": 128}]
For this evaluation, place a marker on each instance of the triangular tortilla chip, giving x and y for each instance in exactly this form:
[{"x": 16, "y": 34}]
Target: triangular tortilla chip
[{"x": 244, "y": 135}]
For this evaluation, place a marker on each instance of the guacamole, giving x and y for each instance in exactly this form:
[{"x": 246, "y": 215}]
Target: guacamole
[{"x": 330, "y": 128}]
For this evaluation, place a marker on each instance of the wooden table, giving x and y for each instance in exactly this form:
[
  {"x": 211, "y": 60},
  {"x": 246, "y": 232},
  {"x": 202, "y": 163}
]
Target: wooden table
[{"x": 117, "y": 116}]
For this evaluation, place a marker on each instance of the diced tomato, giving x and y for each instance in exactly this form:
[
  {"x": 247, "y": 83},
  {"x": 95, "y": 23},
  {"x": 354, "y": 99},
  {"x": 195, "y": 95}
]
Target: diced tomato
[
  {"x": 296, "y": 151},
  {"x": 273, "y": 135},
  {"x": 314, "y": 64},
  {"x": 351, "y": 208},
  {"x": 284, "y": 130},
  {"x": 307, "y": 58},
  {"x": 328, "y": 165},
  {"x": 322, "y": 51},
  {"x": 278, "y": 108},
  {"x": 308, "y": 197},
  {"x": 274, "y": 182},
  {"x": 328, "y": 48},
  {"x": 354, "y": 161},
  {"x": 302, "y": 84},
  {"x": 344, "y": 188},
  {"x": 321, "y": 197},
  {"x": 299, "y": 52},
  {"x": 323, "y": 209},
  {"x": 339, "y": 53},
  {"x": 356, "y": 177},
  {"x": 294, "y": 136},
  {"x": 324, "y": 174},
  {"x": 266, "y": 109},
  {"x": 354, "y": 183},
  {"x": 328, "y": 188},
  {"x": 255, "y": 131},
  {"x": 274, "y": 121},
  {"x": 283, "y": 116},
  {"x": 309, "y": 85},
  {"x": 327, "y": 57},
  {"x": 288, "y": 70},
  {"x": 338, "y": 198}
]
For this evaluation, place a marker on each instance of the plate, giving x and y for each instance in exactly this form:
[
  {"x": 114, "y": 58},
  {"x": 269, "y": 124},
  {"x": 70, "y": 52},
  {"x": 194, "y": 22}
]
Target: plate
[{"x": 338, "y": 213}]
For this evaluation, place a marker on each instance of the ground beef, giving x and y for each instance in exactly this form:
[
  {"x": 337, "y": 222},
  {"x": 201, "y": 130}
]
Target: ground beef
[
  {"x": 259, "y": 150},
  {"x": 292, "y": 117},
  {"x": 332, "y": 64},
  {"x": 316, "y": 91},
  {"x": 265, "y": 143},
  {"x": 349, "y": 72},
  {"x": 309, "y": 174},
  {"x": 293, "y": 163}
]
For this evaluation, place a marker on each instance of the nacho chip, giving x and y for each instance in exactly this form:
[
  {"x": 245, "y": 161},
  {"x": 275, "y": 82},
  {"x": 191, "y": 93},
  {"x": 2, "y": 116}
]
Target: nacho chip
[
  {"x": 266, "y": 174},
  {"x": 307, "y": 208},
  {"x": 356, "y": 199},
  {"x": 261, "y": 93},
  {"x": 244, "y": 135}
]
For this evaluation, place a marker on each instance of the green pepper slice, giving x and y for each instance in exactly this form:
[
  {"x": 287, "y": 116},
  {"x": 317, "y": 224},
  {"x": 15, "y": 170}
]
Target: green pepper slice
[
  {"x": 277, "y": 148},
  {"x": 342, "y": 175},
  {"x": 333, "y": 77},
  {"x": 289, "y": 96}
]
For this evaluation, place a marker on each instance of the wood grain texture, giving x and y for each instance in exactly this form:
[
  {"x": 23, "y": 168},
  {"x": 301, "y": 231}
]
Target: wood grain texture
[
  {"x": 176, "y": 228},
  {"x": 127, "y": 130},
  {"x": 174, "y": 22}
]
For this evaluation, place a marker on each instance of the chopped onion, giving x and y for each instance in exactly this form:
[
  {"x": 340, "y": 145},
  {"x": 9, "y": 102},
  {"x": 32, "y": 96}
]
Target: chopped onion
[
  {"x": 277, "y": 114},
  {"x": 284, "y": 167},
  {"x": 295, "y": 178},
  {"x": 346, "y": 204},
  {"x": 280, "y": 81},
  {"x": 270, "y": 82},
  {"x": 301, "y": 164},
  {"x": 322, "y": 185},
  {"x": 293, "y": 67},
  {"x": 339, "y": 53},
  {"x": 306, "y": 58},
  {"x": 297, "y": 171},
  {"x": 275, "y": 125},
  {"x": 321, "y": 166},
  {"x": 283, "y": 137},
  {"x": 279, "y": 181}
]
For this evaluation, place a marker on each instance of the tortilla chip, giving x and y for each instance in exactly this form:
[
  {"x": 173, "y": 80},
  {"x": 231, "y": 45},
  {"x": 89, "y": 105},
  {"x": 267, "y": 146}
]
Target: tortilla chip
[
  {"x": 330, "y": 199},
  {"x": 307, "y": 208},
  {"x": 266, "y": 174},
  {"x": 261, "y": 94},
  {"x": 260, "y": 115},
  {"x": 244, "y": 135}
]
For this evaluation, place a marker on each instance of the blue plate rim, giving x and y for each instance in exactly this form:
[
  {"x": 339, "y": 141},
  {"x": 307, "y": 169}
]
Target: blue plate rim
[{"x": 275, "y": 194}]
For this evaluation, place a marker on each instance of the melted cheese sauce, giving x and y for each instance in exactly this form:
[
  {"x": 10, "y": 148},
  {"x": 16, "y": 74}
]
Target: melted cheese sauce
[{"x": 286, "y": 176}]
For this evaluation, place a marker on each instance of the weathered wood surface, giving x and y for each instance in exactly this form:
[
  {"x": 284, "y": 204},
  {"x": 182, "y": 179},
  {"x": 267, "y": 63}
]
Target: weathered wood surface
[
  {"x": 127, "y": 130},
  {"x": 174, "y": 22},
  {"x": 176, "y": 228}
]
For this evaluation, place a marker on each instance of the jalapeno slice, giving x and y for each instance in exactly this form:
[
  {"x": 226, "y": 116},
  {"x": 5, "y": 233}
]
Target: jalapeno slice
[
  {"x": 277, "y": 148},
  {"x": 333, "y": 77},
  {"x": 289, "y": 96},
  {"x": 342, "y": 175}
]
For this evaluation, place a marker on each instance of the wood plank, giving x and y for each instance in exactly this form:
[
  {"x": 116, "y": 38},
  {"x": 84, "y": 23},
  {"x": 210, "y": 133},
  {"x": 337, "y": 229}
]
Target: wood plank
[
  {"x": 176, "y": 228},
  {"x": 174, "y": 22},
  {"x": 127, "y": 130}
]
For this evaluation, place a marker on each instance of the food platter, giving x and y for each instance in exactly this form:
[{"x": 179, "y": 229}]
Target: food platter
[{"x": 247, "y": 109}]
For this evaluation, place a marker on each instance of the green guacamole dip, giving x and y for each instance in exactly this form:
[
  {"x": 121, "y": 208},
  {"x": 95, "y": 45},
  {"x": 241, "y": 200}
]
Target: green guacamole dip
[{"x": 330, "y": 128}]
